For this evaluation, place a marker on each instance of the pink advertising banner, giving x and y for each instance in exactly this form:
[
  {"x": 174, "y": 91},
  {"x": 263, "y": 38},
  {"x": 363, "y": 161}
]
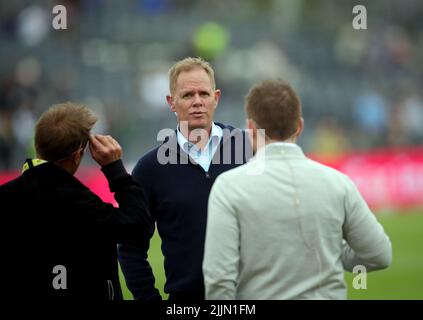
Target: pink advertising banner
[{"x": 388, "y": 178}]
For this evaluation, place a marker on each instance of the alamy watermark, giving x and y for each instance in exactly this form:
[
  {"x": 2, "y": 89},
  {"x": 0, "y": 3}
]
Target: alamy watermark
[
  {"x": 360, "y": 280},
  {"x": 60, "y": 20},
  {"x": 235, "y": 147},
  {"x": 360, "y": 20},
  {"x": 60, "y": 280}
]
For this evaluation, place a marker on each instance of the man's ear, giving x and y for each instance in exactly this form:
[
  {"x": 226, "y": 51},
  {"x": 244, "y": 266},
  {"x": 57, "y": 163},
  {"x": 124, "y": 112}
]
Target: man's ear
[
  {"x": 251, "y": 125},
  {"x": 217, "y": 94},
  {"x": 252, "y": 134},
  {"x": 300, "y": 127},
  {"x": 77, "y": 156},
  {"x": 252, "y": 130},
  {"x": 169, "y": 100}
]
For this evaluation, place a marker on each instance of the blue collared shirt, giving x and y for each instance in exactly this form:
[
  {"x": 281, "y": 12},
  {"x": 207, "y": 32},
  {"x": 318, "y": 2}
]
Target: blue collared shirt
[{"x": 202, "y": 157}]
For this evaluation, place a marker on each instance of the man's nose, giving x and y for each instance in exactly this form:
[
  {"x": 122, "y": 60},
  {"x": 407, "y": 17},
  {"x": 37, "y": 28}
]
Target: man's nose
[{"x": 197, "y": 100}]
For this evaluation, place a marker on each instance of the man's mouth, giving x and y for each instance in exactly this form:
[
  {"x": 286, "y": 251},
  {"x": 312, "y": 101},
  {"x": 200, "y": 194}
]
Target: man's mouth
[{"x": 197, "y": 114}]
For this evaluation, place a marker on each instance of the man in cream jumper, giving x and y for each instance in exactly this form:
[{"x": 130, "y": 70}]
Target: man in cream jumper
[{"x": 290, "y": 231}]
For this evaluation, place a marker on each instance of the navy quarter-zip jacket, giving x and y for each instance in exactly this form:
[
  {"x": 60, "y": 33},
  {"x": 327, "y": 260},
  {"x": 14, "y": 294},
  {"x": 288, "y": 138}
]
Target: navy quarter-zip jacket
[{"x": 177, "y": 194}]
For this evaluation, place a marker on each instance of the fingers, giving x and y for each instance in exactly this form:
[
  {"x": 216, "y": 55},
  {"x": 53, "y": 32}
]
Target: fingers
[
  {"x": 96, "y": 143},
  {"x": 101, "y": 142},
  {"x": 104, "y": 149},
  {"x": 115, "y": 143}
]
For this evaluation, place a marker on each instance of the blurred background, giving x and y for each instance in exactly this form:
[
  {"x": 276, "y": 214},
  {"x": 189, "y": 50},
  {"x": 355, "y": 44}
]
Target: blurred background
[{"x": 361, "y": 90}]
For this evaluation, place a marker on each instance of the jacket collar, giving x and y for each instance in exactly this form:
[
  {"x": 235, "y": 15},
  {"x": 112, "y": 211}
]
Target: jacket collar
[
  {"x": 281, "y": 150},
  {"x": 48, "y": 171},
  {"x": 31, "y": 163}
]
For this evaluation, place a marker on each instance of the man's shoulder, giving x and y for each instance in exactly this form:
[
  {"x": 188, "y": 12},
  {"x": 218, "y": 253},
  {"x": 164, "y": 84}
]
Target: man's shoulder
[
  {"x": 235, "y": 176},
  {"x": 332, "y": 175},
  {"x": 15, "y": 192},
  {"x": 238, "y": 140},
  {"x": 251, "y": 168},
  {"x": 325, "y": 169},
  {"x": 147, "y": 162},
  {"x": 150, "y": 156},
  {"x": 229, "y": 129},
  {"x": 226, "y": 126},
  {"x": 12, "y": 185}
]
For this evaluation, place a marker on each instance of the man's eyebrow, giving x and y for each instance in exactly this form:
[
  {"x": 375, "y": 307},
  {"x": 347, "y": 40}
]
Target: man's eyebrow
[{"x": 188, "y": 91}]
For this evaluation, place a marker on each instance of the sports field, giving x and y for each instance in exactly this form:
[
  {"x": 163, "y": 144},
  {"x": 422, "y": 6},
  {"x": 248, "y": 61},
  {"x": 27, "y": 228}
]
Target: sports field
[{"x": 402, "y": 280}]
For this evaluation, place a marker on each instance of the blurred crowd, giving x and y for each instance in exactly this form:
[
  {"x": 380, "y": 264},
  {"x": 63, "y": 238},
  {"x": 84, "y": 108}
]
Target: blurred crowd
[{"x": 360, "y": 89}]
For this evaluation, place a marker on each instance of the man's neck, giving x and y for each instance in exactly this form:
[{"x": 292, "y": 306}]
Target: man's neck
[
  {"x": 290, "y": 140},
  {"x": 67, "y": 165},
  {"x": 268, "y": 141}
]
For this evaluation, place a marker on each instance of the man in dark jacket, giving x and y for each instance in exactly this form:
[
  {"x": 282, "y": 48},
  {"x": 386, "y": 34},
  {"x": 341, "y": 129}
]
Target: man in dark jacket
[
  {"x": 63, "y": 237},
  {"x": 177, "y": 177}
]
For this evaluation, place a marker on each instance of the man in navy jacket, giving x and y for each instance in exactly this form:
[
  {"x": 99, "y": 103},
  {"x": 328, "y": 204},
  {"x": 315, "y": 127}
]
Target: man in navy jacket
[{"x": 177, "y": 177}]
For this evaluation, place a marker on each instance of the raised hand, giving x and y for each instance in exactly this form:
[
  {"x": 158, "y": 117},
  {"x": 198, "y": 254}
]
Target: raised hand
[{"x": 104, "y": 149}]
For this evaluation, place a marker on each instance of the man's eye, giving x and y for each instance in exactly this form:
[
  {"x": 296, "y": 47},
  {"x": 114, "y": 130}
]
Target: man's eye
[
  {"x": 205, "y": 94},
  {"x": 187, "y": 95}
]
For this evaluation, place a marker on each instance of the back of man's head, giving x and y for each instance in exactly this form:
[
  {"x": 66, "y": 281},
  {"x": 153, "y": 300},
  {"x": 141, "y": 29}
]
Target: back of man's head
[
  {"x": 62, "y": 130},
  {"x": 274, "y": 106}
]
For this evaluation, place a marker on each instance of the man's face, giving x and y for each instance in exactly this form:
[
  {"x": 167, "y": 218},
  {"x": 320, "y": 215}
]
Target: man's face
[{"x": 194, "y": 99}]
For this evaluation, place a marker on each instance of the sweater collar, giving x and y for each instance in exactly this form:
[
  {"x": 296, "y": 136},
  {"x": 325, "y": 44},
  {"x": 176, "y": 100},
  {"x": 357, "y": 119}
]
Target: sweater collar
[{"x": 280, "y": 150}]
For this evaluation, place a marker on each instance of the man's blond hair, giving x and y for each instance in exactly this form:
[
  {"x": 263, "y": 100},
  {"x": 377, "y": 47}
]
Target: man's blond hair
[
  {"x": 189, "y": 64},
  {"x": 62, "y": 129}
]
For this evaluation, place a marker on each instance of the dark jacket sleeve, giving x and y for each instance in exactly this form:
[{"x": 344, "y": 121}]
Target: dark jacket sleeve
[
  {"x": 131, "y": 222},
  {"x": 133, "y": 257}
]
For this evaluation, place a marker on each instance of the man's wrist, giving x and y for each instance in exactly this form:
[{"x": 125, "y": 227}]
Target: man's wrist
[{"x": 114, "y": 170}]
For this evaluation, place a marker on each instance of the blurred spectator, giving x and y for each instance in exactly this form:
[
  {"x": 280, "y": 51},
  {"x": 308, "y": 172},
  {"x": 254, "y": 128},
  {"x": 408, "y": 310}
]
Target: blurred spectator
[
  {"x": 6, "y": 139},
  {"x": 398, "y": 46},
  {"x": 269, "y": 61},
  {"x": 23, "y": 121},
  {"x": 153, "y": 86},
  {"x": 350, "y": 45},
  {"x": 372, "y": 114},
  {"x": 397, "y": 132},
  {"x": 153, "y": 7},
  {"x": 329, "y": 140},
  {"x": 309, "y": 43},
  {"x": 33, "y": 25},
  {"x": 411, "y": 117}
]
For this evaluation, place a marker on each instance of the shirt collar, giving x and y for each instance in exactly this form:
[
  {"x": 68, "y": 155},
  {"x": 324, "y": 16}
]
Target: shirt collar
[{"x": 215, "y": 136}]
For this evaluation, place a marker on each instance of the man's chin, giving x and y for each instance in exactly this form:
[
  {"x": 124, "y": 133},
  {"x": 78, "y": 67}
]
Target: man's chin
[{"x": 203, "y": 124}]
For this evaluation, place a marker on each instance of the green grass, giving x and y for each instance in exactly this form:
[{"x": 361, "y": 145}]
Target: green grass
[
  {"x": 155, "y": 258},
  {"x": 402, "y": 280}
]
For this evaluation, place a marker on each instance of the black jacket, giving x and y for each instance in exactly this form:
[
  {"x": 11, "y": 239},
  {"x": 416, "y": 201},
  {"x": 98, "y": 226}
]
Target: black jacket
[
  {"x": 177, "y": 194},
  {"x": 54, "y": 221}
]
